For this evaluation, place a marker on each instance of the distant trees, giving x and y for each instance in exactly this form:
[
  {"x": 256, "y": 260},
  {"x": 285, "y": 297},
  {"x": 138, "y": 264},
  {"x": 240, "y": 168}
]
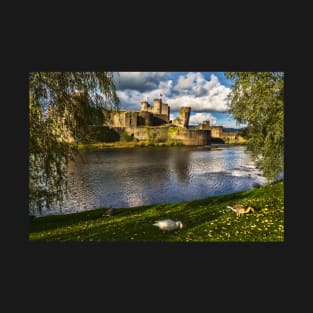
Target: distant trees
[
  {"x": 243, "y": 132},
  {"x": 257, "y": 99},
  {"x": 61, "y": 105}
]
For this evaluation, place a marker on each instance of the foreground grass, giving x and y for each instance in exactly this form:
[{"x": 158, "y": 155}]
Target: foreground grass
[{"x": 203, "y": 220}]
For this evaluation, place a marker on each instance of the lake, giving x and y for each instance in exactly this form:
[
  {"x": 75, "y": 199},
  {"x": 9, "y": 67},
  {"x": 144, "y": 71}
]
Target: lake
[{"x": 124, "y": 178}]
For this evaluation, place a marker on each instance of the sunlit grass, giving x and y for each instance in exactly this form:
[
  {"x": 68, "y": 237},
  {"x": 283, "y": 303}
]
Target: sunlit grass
[
  {"x": 204, "y": 221},
  {"x": 124, "y": 144}
]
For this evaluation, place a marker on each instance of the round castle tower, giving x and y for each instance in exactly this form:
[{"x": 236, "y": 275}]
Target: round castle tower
[
  {"x": 157, "y": 106},
  {"x": 144, "y": 105}
]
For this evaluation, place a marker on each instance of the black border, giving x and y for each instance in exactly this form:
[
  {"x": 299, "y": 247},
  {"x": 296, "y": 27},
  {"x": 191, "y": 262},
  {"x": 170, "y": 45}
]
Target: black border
[{"x": 56, "y": 262}]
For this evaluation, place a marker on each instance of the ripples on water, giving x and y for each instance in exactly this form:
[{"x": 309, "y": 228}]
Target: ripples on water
[{"x": 143, "y": 176}]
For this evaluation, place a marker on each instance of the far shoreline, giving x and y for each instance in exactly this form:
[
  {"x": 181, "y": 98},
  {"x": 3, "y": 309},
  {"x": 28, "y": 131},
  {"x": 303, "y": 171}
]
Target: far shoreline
[{"x": 142, "y": 144}]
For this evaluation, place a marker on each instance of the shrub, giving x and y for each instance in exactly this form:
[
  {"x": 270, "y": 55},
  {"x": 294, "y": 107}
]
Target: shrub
[{"x": 126, "y": 137}]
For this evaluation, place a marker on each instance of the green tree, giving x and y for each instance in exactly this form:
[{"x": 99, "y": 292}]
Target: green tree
[
  {"x": 257, "y": 99},
  {"x": 61, "y": 106}
]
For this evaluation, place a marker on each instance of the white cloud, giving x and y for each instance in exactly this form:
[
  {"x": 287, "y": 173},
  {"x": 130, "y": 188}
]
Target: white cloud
[
  {"x": 165, "y": 87},
  {"x": 192, "y": 83},
  {"x": 198, "y": 118},
  {"x": 216, "y": 102},
  {"x": 130, "y": 99},
  {"x": 191, "y": 89},
  {"x": 202, "y": 95}
]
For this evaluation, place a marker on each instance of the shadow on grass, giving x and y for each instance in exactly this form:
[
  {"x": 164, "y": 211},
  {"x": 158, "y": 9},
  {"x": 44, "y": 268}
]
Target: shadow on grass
[
  {"x": 176, "y": 211},
  {"x": 136, "y": 224}
]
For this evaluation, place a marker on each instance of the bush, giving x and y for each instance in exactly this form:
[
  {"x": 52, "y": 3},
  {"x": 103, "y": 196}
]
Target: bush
[{"x": 126, "y": 137}]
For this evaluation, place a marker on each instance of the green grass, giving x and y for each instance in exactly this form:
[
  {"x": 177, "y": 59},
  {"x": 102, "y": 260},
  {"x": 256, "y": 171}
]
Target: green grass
[
  {"x": 206, "y": 220},
  {"x": 124, "y": 144}
]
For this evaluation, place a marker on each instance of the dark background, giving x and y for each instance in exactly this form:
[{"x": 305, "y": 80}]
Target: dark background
[{"x": 76, "y": 275}]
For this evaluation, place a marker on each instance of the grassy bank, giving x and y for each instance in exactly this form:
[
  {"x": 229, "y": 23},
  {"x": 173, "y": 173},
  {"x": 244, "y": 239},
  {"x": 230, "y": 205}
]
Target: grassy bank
[
  {"x": 203, "y": 220},
  {"x": 124, "y": 144},
  {"x": 133, "y": 144}
]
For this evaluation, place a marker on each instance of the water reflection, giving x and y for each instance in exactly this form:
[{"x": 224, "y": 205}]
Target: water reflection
[
  {"x": 179, "y": 165},
  {"x": 132, "y": 177}
]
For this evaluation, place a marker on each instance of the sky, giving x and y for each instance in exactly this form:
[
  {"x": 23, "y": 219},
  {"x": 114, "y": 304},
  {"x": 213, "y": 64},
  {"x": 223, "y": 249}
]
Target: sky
[{"x": 205, "y": 92}]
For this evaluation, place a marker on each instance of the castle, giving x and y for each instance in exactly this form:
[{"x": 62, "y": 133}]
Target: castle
[
  {"x": 156, "y": 115},
  {"x": 152, "y": 123},
  {"x": 218, "y": 133}
]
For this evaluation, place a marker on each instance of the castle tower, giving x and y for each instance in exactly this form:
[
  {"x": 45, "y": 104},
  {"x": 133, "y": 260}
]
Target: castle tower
[
  {"x": 146, "y": 118},
  {"x": 217, "y": 131},
  {"x": 144, "y": 105},
  {"x": 184, "y": 115},
  {"x": 183, "y": 118},
  {"x": 131, "y": 119},
  {"x": 205, "y": 125},
  {"x": 165, "y": 109},
  {"x": 157, "y": 106}
]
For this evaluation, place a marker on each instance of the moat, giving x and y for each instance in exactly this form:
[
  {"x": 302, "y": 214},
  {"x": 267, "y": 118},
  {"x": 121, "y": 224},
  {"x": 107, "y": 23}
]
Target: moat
[{"x": 143, "y": 176}]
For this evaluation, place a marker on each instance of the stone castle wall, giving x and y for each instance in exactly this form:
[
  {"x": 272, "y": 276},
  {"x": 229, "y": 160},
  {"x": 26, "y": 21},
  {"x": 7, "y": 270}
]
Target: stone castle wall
[
  {"x": 217, "y": 131},
  {"x": 232, "y": 135},
  {"x": 192, "y": 137},
  {"x": 134, "y": 119},
  {"x": 188, "y": 137}
]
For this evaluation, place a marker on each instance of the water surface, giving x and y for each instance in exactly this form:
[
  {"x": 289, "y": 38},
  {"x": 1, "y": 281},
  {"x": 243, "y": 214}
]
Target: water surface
[{"x": 143, "y": 176}]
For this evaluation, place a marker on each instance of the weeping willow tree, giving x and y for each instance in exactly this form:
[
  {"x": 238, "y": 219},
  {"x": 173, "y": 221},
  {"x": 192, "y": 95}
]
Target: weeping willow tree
[
  {"x": 61, "y": 106},
  {"x": 257, "y": 99}
]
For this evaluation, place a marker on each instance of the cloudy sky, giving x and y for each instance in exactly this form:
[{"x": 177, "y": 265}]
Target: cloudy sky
[{"x": 205, "y": 92}]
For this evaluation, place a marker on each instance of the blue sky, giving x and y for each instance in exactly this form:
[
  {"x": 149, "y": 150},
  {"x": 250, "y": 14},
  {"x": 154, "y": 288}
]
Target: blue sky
[{"x": 205, "y": 92}]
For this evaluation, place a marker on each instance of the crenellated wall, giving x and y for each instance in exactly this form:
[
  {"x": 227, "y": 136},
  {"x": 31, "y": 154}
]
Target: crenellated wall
[{"x": 134, "y": 119}]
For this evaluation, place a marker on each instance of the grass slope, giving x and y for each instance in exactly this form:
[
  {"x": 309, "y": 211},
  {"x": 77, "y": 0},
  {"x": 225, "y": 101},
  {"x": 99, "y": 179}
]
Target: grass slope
[{"x": 204, "y": 220}]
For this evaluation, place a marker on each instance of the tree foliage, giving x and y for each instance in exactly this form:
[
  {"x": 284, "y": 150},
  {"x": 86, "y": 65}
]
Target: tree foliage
[
  {"x": 61, "y": 106},
  {"x": 257, "y": 99}
]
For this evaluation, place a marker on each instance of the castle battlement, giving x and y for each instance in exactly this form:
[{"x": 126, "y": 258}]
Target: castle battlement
[
  {"x": 158, "y": 108},
  {"x": 150, "y": 115}
]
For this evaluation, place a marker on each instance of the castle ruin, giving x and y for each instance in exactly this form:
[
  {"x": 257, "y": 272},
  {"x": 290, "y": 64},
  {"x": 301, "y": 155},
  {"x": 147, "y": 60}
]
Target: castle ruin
[
  {"x": 183, "y": 118},
  {"x": 218, "y": 133},
  {"x": 150, "y": 115},
  {"x": 153, "y": 121}
]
